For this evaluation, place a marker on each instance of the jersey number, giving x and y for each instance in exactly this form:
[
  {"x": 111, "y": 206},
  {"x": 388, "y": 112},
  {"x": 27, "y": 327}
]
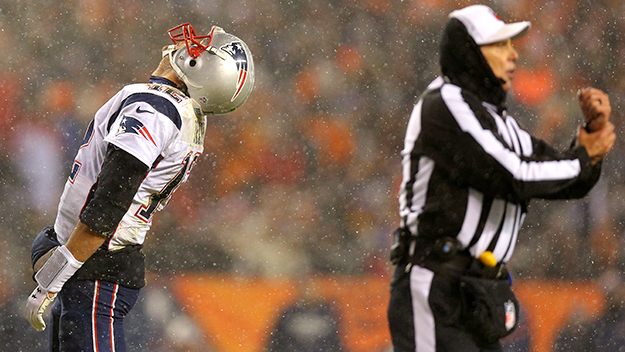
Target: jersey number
[
  {"x": 145, "y": 212},
  {"x": 85, "y": 142}
]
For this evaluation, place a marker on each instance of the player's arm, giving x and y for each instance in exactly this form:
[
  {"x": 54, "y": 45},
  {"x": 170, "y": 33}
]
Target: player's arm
[
  {"x": 118, "y": 182},
  {"x": 84, "y": 242},
  {"x": 119, "y": 179}
]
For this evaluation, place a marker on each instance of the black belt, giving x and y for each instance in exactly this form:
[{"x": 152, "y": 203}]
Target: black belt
[
  {"x": 443, "y": 257},
  {"x": 447, "y": 257}
]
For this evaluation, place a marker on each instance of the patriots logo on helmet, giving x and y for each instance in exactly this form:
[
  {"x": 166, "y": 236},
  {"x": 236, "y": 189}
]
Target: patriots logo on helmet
[
  {"x": 237, "y": 52},
  {"x": 131, "y": 125}
]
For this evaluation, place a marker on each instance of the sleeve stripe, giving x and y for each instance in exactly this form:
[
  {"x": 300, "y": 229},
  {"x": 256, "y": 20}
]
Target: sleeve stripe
[{"x": 521, "y": 170}]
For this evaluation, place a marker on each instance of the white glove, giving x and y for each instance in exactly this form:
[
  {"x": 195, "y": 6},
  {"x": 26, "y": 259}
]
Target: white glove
[
  {"x": 37, "y": 303},
  {"x": 51, "y": 277}
]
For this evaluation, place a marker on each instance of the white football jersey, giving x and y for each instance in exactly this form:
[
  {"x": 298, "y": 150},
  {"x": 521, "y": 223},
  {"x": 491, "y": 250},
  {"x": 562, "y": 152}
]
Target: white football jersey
[{"x": 158, "y": 125}]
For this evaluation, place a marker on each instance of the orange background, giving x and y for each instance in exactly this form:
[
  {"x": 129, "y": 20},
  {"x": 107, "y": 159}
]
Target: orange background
[{"x": 239, "y": 313}]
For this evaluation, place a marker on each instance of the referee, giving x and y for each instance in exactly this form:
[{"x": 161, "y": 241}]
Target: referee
[{"x": 469, "y": 171}]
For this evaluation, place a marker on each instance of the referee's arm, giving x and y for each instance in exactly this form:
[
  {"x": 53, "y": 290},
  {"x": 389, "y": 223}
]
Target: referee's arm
[{"x": 465, "y": 145}]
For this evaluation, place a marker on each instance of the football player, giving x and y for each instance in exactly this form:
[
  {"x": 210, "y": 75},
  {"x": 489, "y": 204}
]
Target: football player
[{"x": 140, "y": 146}]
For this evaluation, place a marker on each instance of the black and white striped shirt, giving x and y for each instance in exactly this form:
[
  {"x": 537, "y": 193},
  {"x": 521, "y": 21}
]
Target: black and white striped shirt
[{"x": 469, "y": 171}]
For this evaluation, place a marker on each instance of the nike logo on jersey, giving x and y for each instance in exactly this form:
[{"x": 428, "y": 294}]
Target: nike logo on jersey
[
  {"x": 139, "y": 111},
  {"x": 134, "y": 126},
  {"x": 235, "y": 49}
]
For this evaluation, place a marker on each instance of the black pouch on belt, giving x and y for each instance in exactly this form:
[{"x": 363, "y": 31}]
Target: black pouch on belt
[
  {"x": 399, "y": 249},
  {"x": 489, "y": 306}
]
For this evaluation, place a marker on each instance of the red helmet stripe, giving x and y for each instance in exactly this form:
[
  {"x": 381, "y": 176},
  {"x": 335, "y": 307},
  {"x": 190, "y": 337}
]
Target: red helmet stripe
[{"x": 240, "y": 84}]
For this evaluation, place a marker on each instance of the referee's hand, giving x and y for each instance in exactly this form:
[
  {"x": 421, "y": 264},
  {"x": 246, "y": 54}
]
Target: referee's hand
[
  {"x": 595, "y": 105},
  {"x": 597, "y": 143}
]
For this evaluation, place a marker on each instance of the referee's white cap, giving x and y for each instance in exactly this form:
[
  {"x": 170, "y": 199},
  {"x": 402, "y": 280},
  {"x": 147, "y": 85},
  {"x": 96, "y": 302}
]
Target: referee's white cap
[{"x": 485, "y": 27}]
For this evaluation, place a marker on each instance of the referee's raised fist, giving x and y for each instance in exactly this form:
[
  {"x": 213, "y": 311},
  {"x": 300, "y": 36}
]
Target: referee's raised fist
[{"x": 595, "y": 105}]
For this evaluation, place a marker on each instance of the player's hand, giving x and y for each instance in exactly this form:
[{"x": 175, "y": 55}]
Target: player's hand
[
  {"x": 59, "y": 268},
  {"x": 595, "y": 105},
  {"x": 37, "y": 303}
]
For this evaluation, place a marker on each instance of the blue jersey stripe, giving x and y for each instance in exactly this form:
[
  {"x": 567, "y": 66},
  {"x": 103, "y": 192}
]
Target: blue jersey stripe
[{"x": 159, "y": 103}]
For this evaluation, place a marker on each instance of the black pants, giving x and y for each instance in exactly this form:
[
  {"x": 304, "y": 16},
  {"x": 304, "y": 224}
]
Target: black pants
[{"x": 424, "y": 314}]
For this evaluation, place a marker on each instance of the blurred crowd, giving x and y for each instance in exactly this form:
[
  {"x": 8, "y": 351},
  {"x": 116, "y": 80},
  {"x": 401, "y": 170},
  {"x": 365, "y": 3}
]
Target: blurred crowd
[{"x": 304, "y": 178}]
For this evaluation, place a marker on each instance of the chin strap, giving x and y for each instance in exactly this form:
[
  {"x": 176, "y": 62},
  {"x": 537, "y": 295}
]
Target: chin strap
[{"x": 178, "y": 71}]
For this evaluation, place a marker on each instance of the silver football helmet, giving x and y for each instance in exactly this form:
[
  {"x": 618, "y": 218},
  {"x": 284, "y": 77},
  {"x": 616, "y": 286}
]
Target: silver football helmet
[{"x": 217, "y": 68}]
